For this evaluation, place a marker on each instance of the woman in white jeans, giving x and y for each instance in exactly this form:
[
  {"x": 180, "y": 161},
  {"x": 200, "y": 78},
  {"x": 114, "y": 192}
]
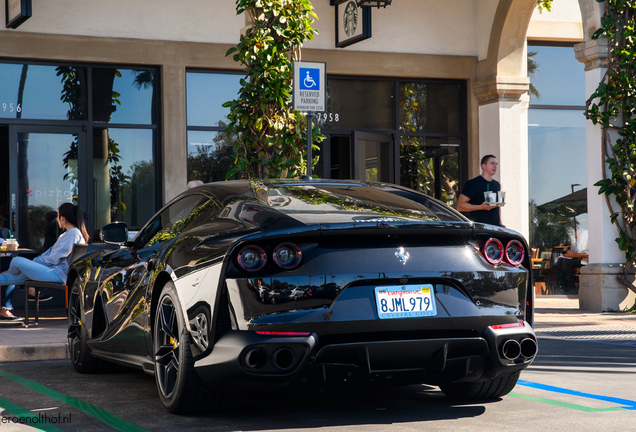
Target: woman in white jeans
[{"x": 52, "y": 265}]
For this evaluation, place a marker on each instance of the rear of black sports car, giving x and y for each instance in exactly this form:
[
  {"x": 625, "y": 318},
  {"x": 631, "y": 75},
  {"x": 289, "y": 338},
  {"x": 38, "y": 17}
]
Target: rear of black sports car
[{"x": 371, "y": 296}]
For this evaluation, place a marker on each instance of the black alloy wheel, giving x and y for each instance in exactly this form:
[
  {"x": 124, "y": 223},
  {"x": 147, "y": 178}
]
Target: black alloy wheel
[
  {"x": 81, "y": 357},
  {"x": 180, "y": 388}
]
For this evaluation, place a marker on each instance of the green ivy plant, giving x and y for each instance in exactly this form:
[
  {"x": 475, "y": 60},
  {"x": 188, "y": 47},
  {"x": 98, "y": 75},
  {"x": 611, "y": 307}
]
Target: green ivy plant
[
  {"x": 613, "y": 106},
  {"x": 544, "y": 4},
  {"x": 271, "y": 136}
]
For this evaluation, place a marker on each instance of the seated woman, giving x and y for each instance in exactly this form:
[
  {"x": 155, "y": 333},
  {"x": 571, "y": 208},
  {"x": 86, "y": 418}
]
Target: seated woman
[
  {"x": 577, "y": 257},
  {"x": 52, "y": 265}
]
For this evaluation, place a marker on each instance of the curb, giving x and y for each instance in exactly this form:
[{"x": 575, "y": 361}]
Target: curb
[{"x": 57, "y": 351}]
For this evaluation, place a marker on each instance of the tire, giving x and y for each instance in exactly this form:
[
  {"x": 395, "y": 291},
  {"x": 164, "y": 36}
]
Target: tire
[
  {"x": 180, "y": 389},
  {"x": 489, "y": 389},
  {"x": 80, "y": 353}
]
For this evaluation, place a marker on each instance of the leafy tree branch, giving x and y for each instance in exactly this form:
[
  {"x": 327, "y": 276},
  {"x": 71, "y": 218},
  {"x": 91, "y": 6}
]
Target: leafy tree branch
[
  {"x": 613, "y": 106},
  {"x": 271, "y": 137}
]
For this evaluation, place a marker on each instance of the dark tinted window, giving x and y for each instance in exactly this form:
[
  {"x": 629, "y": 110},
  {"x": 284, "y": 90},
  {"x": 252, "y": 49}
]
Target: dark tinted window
[
  {"x": 334, "y": 203},
  {"x": 431, "y": 165},
  {"x": 445, "y": 213},
  {"x": 429, "y": 107},
  {"x": 173, "y": 220},
  {"x": 359, "y": 104}
]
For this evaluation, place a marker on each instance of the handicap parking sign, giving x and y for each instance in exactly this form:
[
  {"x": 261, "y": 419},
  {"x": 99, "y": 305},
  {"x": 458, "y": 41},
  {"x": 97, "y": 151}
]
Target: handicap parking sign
[
  {"x": 309, "y": 92},
  {"x": 310, "y": 79}
]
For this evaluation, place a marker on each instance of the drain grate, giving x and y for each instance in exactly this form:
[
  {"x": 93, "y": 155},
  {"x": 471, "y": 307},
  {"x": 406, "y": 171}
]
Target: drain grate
[{"x": 589, "y": 332}]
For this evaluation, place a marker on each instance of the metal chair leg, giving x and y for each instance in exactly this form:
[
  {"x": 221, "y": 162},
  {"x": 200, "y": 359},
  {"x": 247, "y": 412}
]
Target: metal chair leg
[
  {"x": 37, "y": 306},
  {"x": 26, "y": 307}
]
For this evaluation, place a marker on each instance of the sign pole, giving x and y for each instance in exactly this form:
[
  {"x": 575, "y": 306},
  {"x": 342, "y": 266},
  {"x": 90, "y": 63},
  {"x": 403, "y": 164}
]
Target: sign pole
[
  {"x": 309, "y": 142},
  {"x": 310, "y": 96}
]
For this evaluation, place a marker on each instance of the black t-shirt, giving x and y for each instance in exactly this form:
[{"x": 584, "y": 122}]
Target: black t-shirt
[{"x": 474, "y": 189}]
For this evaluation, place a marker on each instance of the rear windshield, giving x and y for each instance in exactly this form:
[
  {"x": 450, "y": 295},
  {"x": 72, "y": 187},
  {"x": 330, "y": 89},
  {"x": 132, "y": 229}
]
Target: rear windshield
[{"x": 339, "y": 203}]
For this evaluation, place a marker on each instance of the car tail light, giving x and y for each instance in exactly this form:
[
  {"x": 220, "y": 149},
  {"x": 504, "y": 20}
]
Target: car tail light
[
  {"x": 514, "y": 252},
  {"x": 503, "y": 326},
  {"x": 287, "y": 255},
  {"x": 493, "y": 251},
  {"x": 252, "y": 258},
  {"x": 282, "y": 333}
]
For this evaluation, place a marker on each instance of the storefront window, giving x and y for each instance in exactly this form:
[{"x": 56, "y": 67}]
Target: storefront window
[
  {"x": 559, "y": 79},
  {"x": 124, "y": 96},
  {"x": 125, "y": 178},
  {"x": 359, "y": 104},
  {"x": 42, "y": 92},
  {"x": 426, "y": 121},
  {"x": 557, "y": 170},
  {"x": 429, "y": 107},
  {"x": 431, "y": 165},
  {"x": 431, "y": 129},
  {"x": 49, "y": 161},
  {"x": 557, "y": 154},
  {"x": 46, "y": 181},
  {"x": 206, "y": 93},
  {"x": 209, "y": 155},
  {"x": 209, "y": 147}
]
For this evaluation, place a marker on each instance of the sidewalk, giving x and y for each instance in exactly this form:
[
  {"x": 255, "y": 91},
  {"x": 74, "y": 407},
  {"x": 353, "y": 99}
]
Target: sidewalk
[
  {"x": 553, "y": 315},
  {"x": 47, "y": 341},
  {"x": 563, "y": 311}
]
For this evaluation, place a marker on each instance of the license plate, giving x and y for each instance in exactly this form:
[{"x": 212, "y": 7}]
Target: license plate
[{"x": 405, "y": 301}]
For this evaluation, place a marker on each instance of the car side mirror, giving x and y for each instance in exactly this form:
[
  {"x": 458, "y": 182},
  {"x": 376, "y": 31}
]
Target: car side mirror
[{"x": 114, "y": 233}]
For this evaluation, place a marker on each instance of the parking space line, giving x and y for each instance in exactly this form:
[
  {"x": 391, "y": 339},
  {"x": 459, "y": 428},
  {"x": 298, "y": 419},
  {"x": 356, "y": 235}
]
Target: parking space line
[
  {"x": 26, "y": 417},
  {"x": 627, "y": 404},
  {"x": 100, "y": 414},
  {"x": 563, "y": 404}
]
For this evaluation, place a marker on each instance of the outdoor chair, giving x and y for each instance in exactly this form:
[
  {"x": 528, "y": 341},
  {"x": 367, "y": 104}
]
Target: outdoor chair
[{"x": 78, "y": 251}]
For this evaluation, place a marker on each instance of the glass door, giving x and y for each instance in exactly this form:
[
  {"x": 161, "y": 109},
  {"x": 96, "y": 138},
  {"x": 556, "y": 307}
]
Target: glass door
[
  {"x": 44, "y": 172},
  {"x": 372, "y": 157}
]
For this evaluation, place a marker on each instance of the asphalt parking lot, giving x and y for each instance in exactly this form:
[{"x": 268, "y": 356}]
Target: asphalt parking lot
[{"x": 581, "y": 380}]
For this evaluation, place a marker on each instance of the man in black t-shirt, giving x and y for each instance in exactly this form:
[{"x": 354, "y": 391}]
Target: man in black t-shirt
[{"x": 471, "y": 200}]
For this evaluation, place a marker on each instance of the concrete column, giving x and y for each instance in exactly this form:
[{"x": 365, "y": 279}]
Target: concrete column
[
  {"x": 503, "y": 132},
  {"x": 599, "y": 290},
  {"x": 173, "y": 137}
]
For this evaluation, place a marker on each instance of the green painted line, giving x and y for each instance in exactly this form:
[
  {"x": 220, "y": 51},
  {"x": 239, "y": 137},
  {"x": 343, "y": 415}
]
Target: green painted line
[
  {"x": 100, "y": 414},
  {"x": 563, "y": 404},
  {"x": 30, "y": 419}
]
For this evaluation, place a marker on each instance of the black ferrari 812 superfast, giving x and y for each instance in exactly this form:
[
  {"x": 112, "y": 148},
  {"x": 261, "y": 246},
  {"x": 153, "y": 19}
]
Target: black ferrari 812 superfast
[{"x": 253, "y": 285}]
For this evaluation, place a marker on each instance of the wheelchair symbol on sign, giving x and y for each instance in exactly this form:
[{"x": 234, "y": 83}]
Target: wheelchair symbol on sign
[{"x": 309, "y": 81}]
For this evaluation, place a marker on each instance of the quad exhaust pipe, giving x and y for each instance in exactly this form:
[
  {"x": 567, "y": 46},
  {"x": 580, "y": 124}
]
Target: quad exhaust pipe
[
  {"x": 284, "y": 358},
  {"x": 257, "y": 358},
  {"x": 528, "y": 348},
  {"x": 512, "y": 350}
]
